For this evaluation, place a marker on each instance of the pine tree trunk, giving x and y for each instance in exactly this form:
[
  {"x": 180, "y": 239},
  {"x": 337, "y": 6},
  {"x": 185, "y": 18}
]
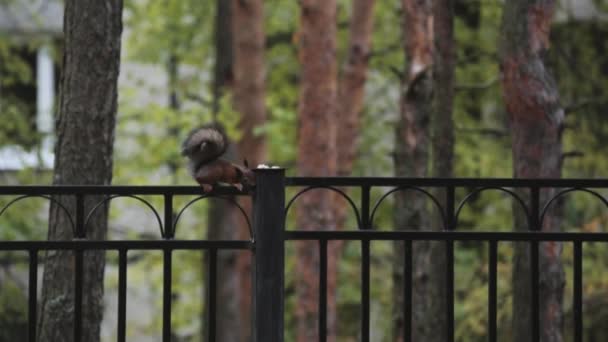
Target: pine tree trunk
[
  {"x": 83, "y": 155},
  {"x": 351, "y": 88},
  {"x": 249, "y": 97},
  {"x": 536, "y": 119},
  {"x": 350, "y": 101},
  {"x": 411, "y": 160},
  {"x": 223, "y": 74},
  {"x": 249, "y": 76},
  {"x": 443, "y": 77},
  {"x": 222, "y": 214},
  {"x": 442, "y": 145},
  {"x": 316, "y": 154}
]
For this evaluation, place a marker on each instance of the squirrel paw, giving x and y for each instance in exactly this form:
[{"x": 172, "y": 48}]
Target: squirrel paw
[
  {"x": 238, "y": 186},
  {"x": 207, "y": 188}
]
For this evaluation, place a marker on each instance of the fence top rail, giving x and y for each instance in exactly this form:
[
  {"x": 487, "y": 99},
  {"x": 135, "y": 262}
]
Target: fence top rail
[
  {"x": 83, "y": 245},
  {"x": 444, "y": 182},
  {"x": 304, "y": 181},
  {"x": 112, "y": 190},
  {"x": 417, "y": 235}
]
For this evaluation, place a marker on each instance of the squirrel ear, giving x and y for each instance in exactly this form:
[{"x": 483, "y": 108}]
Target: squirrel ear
[{"x": 246, "y": 163}]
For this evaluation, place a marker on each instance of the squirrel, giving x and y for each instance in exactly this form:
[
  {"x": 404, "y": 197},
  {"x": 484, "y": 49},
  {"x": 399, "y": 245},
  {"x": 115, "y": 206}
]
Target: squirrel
[{"x": 204, "y": 147}]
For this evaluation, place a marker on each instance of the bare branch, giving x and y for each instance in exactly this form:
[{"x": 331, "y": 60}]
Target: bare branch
[
  {"x": 498, "y": 133},
  {"x": 397, "y": 72},
  {"x": 573, "y": 154},
  {"x": 477, "y": 86},
  {"x": 198, "y": 99},
  {"x": 574, "y": 106}
]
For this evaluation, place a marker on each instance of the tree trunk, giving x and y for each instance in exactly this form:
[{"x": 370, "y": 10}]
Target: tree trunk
[
  {"x": 350, "y": 101},
  {"x": 442, "y": 145},
  {"x": 223, "y": 74},
  {"x": 222, "y": 214},
  {"x": 83, "y": 155},
  {"x": 351, "y": 90},
  {"x": 536, "y": 119},
  {"x": 443, "y": 78},
  {"x": 316, "y": 154},
  {"x": 249, "y": 97},
  {"x": 411, "y": 160},
  {"x": 232, "y": 324}
]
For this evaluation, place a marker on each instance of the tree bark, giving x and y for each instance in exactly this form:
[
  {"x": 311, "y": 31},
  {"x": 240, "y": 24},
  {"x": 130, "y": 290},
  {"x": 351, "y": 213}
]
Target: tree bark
[
  {"x": 83, "y": 155},
  {"x": 317, "y": 153},
  {"x": 411, "y": 160},
  {"x": 536, "y": 119},
  {"x": 223, "y": 74},
  {"x": 351, "y": 87},
  {"x": 249, "y": 97},
  {"x": 350, "y": 101},
  {"x": 442, "y": 147},
  {"x": 222, "y": 214},
  {"x": 443, "y": 78}
]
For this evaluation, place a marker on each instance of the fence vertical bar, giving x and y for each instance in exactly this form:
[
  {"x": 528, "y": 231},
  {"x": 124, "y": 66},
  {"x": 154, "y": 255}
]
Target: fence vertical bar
[
  {"x": 269, "y": 256},
  {"x": 32, "y": 295},
  {"x": 578, "y": 291},
  {"x": 407, "y": 291},
  {"x": 535, "y": 221},
  {"x": 365, "y": 272},
  {"x": 492, "y": 293},
  {"x": 167, "y": 297},
  {"x": 451, "y": 225},
  {"x": 365, "y": 203},
  {"x": 122, "y": 295},
  {"x": 168, "y": 233},
  {"x": 365, "y": 266},
  {"x": 211, "y": 295},
  {"x": 168, "y": 229},
  {"x": 79, "y": 265},
  {"x": 323, "y": 290}
]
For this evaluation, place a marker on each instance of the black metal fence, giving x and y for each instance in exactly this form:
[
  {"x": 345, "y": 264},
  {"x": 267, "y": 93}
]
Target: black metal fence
[{"x": 269, "y": 237}]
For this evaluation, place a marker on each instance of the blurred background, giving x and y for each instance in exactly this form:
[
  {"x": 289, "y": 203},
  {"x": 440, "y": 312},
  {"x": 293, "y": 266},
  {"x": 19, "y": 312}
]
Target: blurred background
[{"x": 176, "y": 73}]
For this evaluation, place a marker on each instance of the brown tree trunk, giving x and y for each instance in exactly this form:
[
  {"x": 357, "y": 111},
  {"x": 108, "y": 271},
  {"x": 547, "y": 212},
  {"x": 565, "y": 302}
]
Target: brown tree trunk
[
  {"x": 83, "y": 155},
  {"x": 442, "y": 145},
  {"x": 222, "y": 214},
  {"x": 249, "y": 76},
  {"x": 249, "y": 97},
  {"x": 351, "y": 87},
  {"x": 443, "y": 77},
  {"x": 316, "y": 152},
  {"x": 535, "y": 118},
  {"x": 350, "y": 100},
  {"x": 411, "y": 160},
  {"x": 223, "y": 74}
]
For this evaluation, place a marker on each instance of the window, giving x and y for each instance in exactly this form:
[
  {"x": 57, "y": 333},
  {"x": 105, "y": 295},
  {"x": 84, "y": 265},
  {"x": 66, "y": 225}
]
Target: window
[{"x": 27, "y": 95}]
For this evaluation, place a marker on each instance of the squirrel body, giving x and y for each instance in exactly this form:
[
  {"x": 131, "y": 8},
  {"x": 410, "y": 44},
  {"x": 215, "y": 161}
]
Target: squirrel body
[{"x": 204, "y": 148}]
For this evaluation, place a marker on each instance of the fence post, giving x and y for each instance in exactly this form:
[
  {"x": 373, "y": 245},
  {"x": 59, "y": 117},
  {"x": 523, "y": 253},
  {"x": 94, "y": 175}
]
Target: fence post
[{"x": 268, "y": 268}]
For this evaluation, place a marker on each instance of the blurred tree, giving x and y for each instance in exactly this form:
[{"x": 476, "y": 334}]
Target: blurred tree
[
  {"x": 316, "y": 153},
  {"x": 222, "y": 214},
  {"x": 411, "y": 160},
  {"x": 442, "y": 161},
  {"x": 350, "y": 102},
  {"x": 536, "y": 121},
  {"x": 351, "y": 88},
  {"x": 83, "y": 155},
  {"x": 249, "y": 100}
]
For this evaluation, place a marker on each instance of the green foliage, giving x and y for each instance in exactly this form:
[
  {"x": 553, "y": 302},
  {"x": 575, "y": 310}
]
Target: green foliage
[
  {"x": 150, "y": 131},
  {"x": 16, "y": 74},
  {"x": 13, "y": 315}
]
